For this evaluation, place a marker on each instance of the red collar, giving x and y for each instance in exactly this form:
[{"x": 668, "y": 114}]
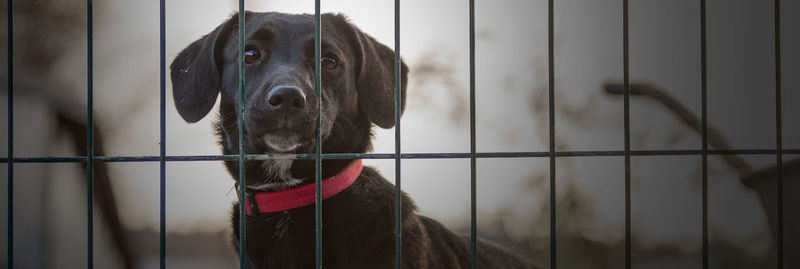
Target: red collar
[{"x": 268, "y": 202}]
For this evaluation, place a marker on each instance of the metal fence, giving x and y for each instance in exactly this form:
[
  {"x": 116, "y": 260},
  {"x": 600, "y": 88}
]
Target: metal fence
[{"x": 398, "y": 156}]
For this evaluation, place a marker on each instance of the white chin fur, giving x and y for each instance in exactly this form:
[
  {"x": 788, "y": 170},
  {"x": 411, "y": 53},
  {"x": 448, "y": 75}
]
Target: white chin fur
[
  {"x": 275, "y": 185},
  {"x": 281, "y": 143},
  {"x": 279, "y": 167}
]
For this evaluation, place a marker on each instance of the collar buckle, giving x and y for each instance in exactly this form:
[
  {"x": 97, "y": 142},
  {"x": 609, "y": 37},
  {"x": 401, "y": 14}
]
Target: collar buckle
[{"x": 251, "y": 206}]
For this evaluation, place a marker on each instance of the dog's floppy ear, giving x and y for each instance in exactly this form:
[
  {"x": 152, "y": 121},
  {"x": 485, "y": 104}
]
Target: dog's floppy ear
[
  {"x": 196, "y": 73},
  {"x": 375, "y": 79}
]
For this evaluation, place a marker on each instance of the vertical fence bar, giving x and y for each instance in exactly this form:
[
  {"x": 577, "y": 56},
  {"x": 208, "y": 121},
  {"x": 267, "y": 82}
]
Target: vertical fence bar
[
  {"x": 472, "y": 161},
  {"x": 704, "y": 129},
  {"x": 778, "y": 127},
  {"x": 90, "y": 136},
  {"x": 552, "y": 122},
  {"x": 10, "y": 190},
  {"x": 163, "y": 127},
  {"x": 318, "y": 157},
  {"x": 398, "y": 209},
  {"x": 242, "y": 177},
  {"x": 627, "y": 92}
]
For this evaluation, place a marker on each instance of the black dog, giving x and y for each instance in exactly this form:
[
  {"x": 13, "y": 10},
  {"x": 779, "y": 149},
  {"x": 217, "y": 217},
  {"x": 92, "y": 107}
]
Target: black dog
[{"x": 281, "y": 116}]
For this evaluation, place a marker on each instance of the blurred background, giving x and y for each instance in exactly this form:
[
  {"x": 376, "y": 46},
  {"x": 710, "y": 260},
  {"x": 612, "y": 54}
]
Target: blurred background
[{"x": 512, "y": 115}]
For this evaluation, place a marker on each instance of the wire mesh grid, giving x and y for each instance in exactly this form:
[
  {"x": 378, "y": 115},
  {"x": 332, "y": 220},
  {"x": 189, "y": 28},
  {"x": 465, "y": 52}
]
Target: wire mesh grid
[{"x": 398, "y": 156}]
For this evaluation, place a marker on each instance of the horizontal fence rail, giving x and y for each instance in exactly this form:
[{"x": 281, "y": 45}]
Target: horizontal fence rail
[{"x": 453, "y": 155}]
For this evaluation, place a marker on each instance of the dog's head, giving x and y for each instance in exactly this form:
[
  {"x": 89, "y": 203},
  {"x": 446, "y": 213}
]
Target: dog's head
[{"x": 281, "y": 104}]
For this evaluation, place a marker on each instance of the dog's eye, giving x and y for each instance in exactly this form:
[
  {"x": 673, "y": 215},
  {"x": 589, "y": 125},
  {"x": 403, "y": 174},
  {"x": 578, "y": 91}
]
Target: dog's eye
[
  {"x": 328, "y": 62},
  {"x": 251, "y": 55}
]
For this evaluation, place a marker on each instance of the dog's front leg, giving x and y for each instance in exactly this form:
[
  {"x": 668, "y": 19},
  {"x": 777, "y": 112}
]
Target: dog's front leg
[{"x": 247, "y": 260}]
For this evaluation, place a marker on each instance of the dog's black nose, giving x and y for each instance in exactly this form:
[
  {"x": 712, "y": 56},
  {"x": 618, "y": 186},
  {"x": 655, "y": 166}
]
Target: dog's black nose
[{"x": 287, "y": 97}]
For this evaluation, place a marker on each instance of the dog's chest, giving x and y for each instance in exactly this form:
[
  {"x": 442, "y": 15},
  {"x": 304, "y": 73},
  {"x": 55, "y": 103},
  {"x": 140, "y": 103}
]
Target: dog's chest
[{"x": 287, "y": 240}]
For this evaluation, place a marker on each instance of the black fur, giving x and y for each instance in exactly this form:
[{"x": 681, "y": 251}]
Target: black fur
[{"x": 358, "y": 223}]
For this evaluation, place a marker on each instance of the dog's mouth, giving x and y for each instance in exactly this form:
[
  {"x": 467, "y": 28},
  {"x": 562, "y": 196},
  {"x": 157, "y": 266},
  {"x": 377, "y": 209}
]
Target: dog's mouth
[
  {"x": 276, "y": 172},
  {"x": 282, "y": 140}
]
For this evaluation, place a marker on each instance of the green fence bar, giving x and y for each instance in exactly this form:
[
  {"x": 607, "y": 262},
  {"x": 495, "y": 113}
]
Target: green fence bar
[
  {"x": 398, "y": 217},
  {"x": 318, "y": 155},
  {"x": 10, "y": 159},
  {"x": 473, "y": 231},
  {"x": 704, "y": 130},
  {"x": 778, "y": 132},
  {"x": 90, "y": 136},
  {"x": 163, "y": 139},
  {"x": 242, "y": 163},
  {"x": 551, "y": 82},
  {"x": 627, "y": 119}
]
